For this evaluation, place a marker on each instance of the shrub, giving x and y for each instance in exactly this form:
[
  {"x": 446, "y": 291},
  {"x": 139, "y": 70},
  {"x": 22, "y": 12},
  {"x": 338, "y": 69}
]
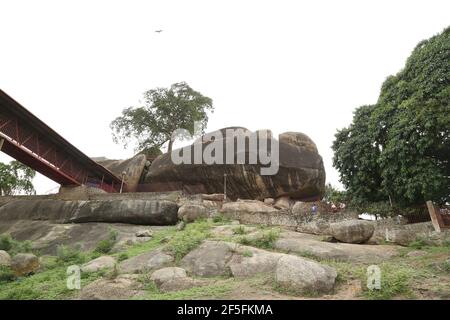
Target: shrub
[
  {"x": 395, "y": 281},
  {"x": 6, "y": 275},
  {"x": 106, "y": 245},
  {"x": 7, "y": 243},
  {"x": 265, "y": 241},
  {"x": 123, "y": 256},
  {"x": 65, "y": 254},
  {"x": 240, "y": 230}
]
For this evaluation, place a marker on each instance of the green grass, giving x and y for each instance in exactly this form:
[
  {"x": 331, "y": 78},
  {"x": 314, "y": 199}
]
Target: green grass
[
  {"x": 188, "y": 239},
  {"x": 7, "y": 243},
  {"x": 240, "y": 230},
  {"x": 105, "y": 246},
  {"x": 266, "y": 240}
]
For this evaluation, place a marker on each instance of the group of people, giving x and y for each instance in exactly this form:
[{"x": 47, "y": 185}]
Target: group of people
[{"x": 334, "y": 207}]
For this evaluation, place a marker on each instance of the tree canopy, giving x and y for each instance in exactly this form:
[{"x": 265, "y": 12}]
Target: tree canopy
[
  {"x": 399, "y": 148},
  {"x": 164, "y": 110},
  {"x": 16, "y": 178}
]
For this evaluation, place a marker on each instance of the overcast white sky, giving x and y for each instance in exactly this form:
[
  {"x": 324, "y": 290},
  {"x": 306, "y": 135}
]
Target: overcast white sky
[{"x": 280, "y": 65}]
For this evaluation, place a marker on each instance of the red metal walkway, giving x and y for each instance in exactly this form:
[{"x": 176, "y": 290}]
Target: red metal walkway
[{"x": 29, "y": 140}]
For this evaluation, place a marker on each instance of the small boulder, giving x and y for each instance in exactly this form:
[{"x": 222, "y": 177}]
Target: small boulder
[
  {"x": 269, "y": 201},
  {"x": 121, "y": 288},
  {"x": 145, "y": 262},
  {"x": 167, "y": 274},
  {"x": 213, "y": 197},
  {"x": 352, "y": 231},
  {"x": 304, "y": 276},
  {"x": 144, "y": 233},
  {"x": 191, "y": 212},
  {"x": 5, "y": 258},
  {"x": 247, "y": 206},
  {"x": 302, "y": 208},
  {"x": 209, "y": 259},
  {"x": 283, "y": 203},
  {"x": 103, "y": 262},
  {"x": 23, "y": 264}
]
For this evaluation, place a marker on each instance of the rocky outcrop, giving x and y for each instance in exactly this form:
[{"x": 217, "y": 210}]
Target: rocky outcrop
[
  {"x": 121, "y": 288},
  {"x": 301, "y": 173},
  {"x": 143, "y": 212},
  {"x": 133, "y": 169},
  {"x": 304, "y": 276},
  {"x": 23, "y": 264},
  {"x": 174, "y": 279},
  {"x": 352, "y": 231}
]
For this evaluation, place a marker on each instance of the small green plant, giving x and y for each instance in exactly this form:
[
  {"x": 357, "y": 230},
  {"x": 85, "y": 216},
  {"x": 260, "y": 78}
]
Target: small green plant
[
  {"x": 123, "y": 256},
  {"x": 220, "y": 218},
  {"x": 106, "y": 245},
  {"x": 66, "y": 254},
  {"x": 247, "y": 254},
  {"x": 418, "y": 244},
  {"x": 265, "y": 241},
  {"x": 240, "y": 230},
  {"x": 7, "y": 243}
]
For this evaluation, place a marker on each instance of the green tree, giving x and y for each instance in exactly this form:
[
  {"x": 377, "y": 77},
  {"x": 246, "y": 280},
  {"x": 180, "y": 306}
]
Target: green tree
[
  {"x": 16, "y": 178},
  {"x": 399, "y": 148},
  {"x": 164, "y": 110}
]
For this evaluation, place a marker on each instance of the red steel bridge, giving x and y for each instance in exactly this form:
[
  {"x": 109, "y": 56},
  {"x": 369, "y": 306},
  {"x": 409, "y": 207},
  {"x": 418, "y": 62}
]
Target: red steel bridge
[{"x": 29, "y": 140}]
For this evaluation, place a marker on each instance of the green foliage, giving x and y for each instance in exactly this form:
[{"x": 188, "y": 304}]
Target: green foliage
[
  {"x": 191, "y": 237},
  {"x": 240, "y": 230},
  {"x": 334, "y": 195},
  {"x": 247, "y": 254},
  {"x": 6, "y": 275},
  {"x": 164, "y": 111},
  {"x": 400, "y": 147},
  {"x": 122, "y": 256},
  {"x": 69, "y": 255},
  {"x": 266, "y": 240},
  {"x": 220, "y": 218},
  {"x": 7, "y": 243},
  {"x": 16, "y": 178},
  {"x": 106, "y": 245},
  {"x": 418, "y": 244}
]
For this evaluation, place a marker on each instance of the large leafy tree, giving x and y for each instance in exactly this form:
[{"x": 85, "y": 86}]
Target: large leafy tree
[
  {"x": 16, "y": 178},
  {"x": 164, "y": 110},
  {"x": 399, "y": 148}
]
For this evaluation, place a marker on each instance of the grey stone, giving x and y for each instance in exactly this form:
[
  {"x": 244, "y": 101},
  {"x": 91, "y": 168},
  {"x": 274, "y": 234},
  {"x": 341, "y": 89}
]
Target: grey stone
[
  {"x": 303, "y": 276},
  {"x": 191, "y": 212},
  {"x": 5, "y": 258},
  {"x": 23, "y": 264},
  {"x": 145, "y": 262},
  {"x": 352, "y": 231},
  {"x": 100, "y": 263}
]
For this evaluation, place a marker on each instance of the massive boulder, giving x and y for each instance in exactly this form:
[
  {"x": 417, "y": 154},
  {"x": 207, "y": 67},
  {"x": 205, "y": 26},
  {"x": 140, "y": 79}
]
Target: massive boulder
[
  {"x": 152, "y": 212},
  {"x": 301, "y": 173},
  {"x": 133, "y": 169},
  {"x": 352, "y": 231}
]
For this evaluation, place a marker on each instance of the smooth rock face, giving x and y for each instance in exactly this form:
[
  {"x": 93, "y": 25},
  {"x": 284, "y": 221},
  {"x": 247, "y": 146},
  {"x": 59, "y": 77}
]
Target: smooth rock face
[
  {"x": 352, "y": 231},
  {"x": 144, "y": 233},
  {"x": 174, "y": 279},
  {"x": 269, "y": 201},
  {"x": 282, "y": 203},
  {"x": 103, "y": 262},
  {"x": 251, "y": 261},
  {"x": 247, "y": 206},
  {"x": 301, "y": 173},
  {"x": 145, "y": 212},
  {"x": 24, "y": 263},
  {"x": 5, "y": 258},
  {"x": 209, "y": 259},
  {"x": 304, "y": 276},
  {"x": 191, "y": 212},
  {"x": 145, "y": 262}
]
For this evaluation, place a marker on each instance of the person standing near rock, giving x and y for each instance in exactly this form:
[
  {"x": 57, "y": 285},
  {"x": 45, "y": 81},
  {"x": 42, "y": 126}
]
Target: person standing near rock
[{"x": 314, "y": 209}]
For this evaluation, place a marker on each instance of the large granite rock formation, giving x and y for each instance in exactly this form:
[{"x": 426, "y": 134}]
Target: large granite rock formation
[
  {"x": 301, "y": 173},
  {"x": 133, "y": 169}
]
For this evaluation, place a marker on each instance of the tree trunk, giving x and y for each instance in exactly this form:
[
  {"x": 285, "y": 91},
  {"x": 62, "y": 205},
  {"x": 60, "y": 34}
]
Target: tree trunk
[{"x": 169, "y": 148}]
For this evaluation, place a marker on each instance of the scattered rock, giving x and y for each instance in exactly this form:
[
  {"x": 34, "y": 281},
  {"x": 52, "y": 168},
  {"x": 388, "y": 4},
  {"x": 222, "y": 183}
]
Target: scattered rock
[
  {"x": 5, "y": 258},
  {"x": 174, "y": 279},
  {"x": 145, "y": 262},
  {"x": 144, "y": 233},
  {"x": 24, "y": 263},
  {"x": 283, "y": 203},
  {"x": 352, "y": 231},
  {"x": 167, "y": 274},
  {"x": 209, "y": 259},
  {"x": 120, "y": 288},
  {"x": 101, "y": 263},
  {"x": 269, "y": 201},
  {"x": 192, "y": 212},
  {"x": 304, "y": 276}
]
